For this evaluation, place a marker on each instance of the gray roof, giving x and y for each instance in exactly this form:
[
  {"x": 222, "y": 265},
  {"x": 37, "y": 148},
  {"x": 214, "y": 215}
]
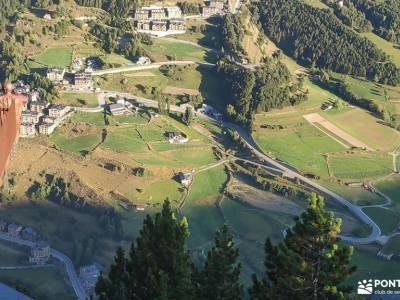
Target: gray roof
[{"x": 8, "y": 293}]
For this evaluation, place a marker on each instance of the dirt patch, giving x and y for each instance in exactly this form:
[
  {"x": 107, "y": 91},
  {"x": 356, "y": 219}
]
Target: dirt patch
[
  {"x": 263, "y": 199},
  {"x": 315, "y": 118},
  {"x": 180, "y": 91}
]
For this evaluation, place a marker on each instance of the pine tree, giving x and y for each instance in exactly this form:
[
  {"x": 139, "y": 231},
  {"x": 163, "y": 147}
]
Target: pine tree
[
  {"x": 310, "y": 263},
  {"x": 220, "y": 277},
  {"x": 158, "y": 265},
  {"x": 187, "y": 116}
]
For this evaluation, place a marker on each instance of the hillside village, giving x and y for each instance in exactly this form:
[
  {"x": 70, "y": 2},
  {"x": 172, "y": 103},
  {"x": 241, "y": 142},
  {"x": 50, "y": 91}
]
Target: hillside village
[{"x": 213, "y": 106}]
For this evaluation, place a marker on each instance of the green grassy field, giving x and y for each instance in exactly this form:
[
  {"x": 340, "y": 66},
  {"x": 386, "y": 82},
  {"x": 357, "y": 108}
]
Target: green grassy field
[
  {"x": 75, "y": 144},
  {"x": 78, "y": 99},
  {"x": 304, "y": 147},
  {"x": 360, "y": 166},
  {"x": 56, "y": 57},
  {"x": 387, "y": 219},
  {"x": 391, "y": 188},
  {"x": 125, "y": 139},
  {"x": 392, "y": 246},
  {"x": 366, "y": 128},
  {"x": 161, "y": 50},
  {"x": 357, "y": 195},
  {"x": 13, "y": 255},
  {"x": 44, "y": 283}
]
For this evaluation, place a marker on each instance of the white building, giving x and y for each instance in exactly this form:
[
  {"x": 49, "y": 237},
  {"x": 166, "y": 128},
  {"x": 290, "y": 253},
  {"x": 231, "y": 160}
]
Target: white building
[
  {"x": 27, "y": 130},
  {"x": 55, "y": 74}
]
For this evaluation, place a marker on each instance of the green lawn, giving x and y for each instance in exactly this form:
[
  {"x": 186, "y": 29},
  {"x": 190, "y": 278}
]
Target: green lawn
[
  {"x": 90, "y": 118},
  {"x": 44, "y": 283},
  {"x": 387, "y": 219},
  {"x": 124, "y": 139},
  {"x": 162, "y": 49},
  {"x": 304, "y": 147},
  {"x": 360, "y": 166},
  {"x": 357, "y": 195},
  {"x": 391, "y": 188},
  {"x": 392, "y": 246},
  {"x": 13, "y": 255},
  {"x": 79, "y": 99},
  {"x": 207, "y": 184},
  {"x": 75, "y": 144},
  {"x": 56, "y": 57},
  {"x": 255, "y": 224}
]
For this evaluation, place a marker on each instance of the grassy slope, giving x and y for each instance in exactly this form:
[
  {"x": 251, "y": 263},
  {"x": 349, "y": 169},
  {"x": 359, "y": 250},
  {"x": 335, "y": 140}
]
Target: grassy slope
[{"x": 56, "y": 57}]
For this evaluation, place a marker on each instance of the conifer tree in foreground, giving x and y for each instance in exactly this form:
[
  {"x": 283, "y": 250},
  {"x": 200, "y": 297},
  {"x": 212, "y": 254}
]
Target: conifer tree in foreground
[
  {"x": 220, "y": 278},
  {"x": 158, "y": 265},
  {"x": 310, "y": 263}
]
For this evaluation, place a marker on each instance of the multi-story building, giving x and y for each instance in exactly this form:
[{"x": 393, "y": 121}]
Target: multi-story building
[
  {"x": 39, "y": 106},
  {"x": 173, "y": 12},
  {"x": 83, "y": 80},
  {"x": 40, "y": 253},
  {"x": 161, "y": 25},
  {"x": 219, "y": 4},
  {"x": 55, "y": 74},
  {"x": 58, "y": 111},
  {"x": 157, "y": 13},
  {"x": 27, "y": 130},
  {"x": 142, "y": 14},
  {"x": 30, "y": 117},
  {"x": 143, "y": 25},
  {"x": 207, "y": 11},
  {"x": 47, "y": 129},
  {"x": 176, "y": 24},
  {"x": 30, "y": 234}
]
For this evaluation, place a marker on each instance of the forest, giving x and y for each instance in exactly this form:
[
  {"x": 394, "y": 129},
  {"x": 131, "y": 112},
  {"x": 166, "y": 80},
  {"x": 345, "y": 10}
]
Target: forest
[
  {"x": 316, "y": 38},
  {"x": 262, "y": 89},
  {"x": 384, "y": 16}
]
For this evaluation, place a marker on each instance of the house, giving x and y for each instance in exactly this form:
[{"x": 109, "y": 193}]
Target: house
[
  {"x": 185, "y": 178},
  {"x": 46, "y": 128},
  {"x": 140, "y": 207},
  {"x": 30, "y": 117},
  {"x": 55, "y": 74},
  {"x": 30, "y": 234},
  {"x": 3, "y": 225},
  {"x": 143, "y": 25},
  {"x": 176, "y": 24},
  {"x": 157, "y": 13},
  {"x": 40, "y": 253},
  {"x": 58, "y": 110},
  {"x": 159, "y": 25},
  {"x": 39, "y": 106},
  {"x": 173, "y": 12},
  {"x": 177, "y": 138},
  {"x": 207, "y": 11},
  {"x": 89, "y": 275},
  {"x": 20, "y": 87},
  {"x": 83, "y": 80},
  {"x": 117, "y": 109},
  {"x": 27, "y": 130},
  {"x": 47, "y": 17},
  {"x": 143, "y": 60},
  {"x": 77, "y": 63},
  {"x": 14, "y": 230},
  {"x": 8, "y": 293}
]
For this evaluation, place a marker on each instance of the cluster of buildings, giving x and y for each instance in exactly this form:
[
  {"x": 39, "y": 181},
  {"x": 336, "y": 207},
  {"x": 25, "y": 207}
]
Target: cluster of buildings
[
  {"x": 79, "y": 80},
  {"x": 40, "y": 250},
  {"x": 176, "y": 137},
  {"x": 41, "y": 118},
  {"x": 159, "y": 19}
]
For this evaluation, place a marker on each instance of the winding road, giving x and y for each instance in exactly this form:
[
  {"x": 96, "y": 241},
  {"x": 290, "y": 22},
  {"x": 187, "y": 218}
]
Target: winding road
[
  {"x": 72, "y": 275},
  {"x": 270, "y": 162}
]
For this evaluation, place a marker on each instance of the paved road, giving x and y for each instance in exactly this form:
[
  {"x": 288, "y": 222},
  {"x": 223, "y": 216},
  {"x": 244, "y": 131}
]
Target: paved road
[
  {"x": 132, "y": 68},
  {"x": 248, "y": 139},
  {"x": 73, "y": 277}
]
